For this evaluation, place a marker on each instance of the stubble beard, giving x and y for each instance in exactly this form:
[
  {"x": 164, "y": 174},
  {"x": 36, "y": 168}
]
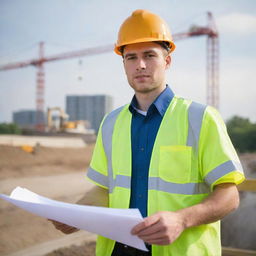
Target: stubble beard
[{"x": 144, "y": 88}]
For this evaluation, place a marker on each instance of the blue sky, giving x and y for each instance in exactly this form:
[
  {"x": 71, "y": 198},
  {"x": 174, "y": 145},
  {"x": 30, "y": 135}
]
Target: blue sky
[{"x": 66, "y": 25}]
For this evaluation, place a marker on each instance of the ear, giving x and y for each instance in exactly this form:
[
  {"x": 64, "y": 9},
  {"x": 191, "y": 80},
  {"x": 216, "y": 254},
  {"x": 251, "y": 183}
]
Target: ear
[{"x": 168, "y": 61}]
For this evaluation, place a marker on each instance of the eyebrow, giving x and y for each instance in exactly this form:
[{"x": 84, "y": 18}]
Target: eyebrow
[
  {"x": 150, "y": 51},
  {"x": 134, "y": 54},
  {"x": 129, "y": 55}
]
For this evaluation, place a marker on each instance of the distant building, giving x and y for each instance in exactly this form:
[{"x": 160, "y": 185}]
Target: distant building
[
  {"x": 27, "y": 118},
  {"x": 89, "y": 107}
]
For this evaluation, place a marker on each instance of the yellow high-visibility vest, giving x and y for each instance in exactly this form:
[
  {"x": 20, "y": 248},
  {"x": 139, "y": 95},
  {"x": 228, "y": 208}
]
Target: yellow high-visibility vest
[{"x": 192, "y": 153}]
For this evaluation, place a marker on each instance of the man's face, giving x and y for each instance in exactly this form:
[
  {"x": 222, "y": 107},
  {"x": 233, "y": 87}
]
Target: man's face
[{"x": 145, "y": 65}]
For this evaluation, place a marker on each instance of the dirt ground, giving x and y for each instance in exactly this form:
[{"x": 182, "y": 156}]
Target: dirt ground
[
  {"x": 86, "y": 249},
  {"x": 58, "y": 174},
  {"x": 14, "y": 162},
  {"x": 52, "y": 172}
]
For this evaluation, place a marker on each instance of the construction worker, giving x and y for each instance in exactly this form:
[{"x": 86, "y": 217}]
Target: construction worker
[{"x": 166, "y": 155}]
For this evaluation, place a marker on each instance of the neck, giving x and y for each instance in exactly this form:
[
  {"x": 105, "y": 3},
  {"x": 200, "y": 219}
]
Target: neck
[{"x": 146, "y": 99}]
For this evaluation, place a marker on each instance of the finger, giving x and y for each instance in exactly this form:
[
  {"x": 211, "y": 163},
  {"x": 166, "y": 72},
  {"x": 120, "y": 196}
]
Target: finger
[
  {"x": 145, "y": 223},
  {"x": 69, "y": 230},
  {"x": 63, "y": 227},
  {"x": 154, "y": 236},
  {"x": 59, "y": 225},
  {"x": 55, "y": 223},
  {"x": 159, "y": 239},
  {"x": 155, "y": 228},
  {"x": 162, "y": 241},
  {"x": 159, "y": 234}
]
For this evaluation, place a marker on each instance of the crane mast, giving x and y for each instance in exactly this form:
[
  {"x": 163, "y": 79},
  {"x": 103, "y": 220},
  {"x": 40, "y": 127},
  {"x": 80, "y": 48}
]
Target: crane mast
[
  {"x": 40, "y": 82},
  {"x": 212, "y": 64}
]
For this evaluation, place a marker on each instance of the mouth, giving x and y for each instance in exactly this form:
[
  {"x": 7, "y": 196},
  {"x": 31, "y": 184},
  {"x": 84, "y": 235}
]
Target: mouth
[{"x": 141, "y": 76}]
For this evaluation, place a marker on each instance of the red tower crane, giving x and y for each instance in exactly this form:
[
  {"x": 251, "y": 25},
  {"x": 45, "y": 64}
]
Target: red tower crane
[
  {"x": 212, "y": 57},
  {"x": 212, "y": 64}
]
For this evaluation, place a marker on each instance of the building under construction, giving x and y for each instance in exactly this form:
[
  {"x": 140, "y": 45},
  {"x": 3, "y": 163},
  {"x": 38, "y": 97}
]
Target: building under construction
[
  {"x": 27, "y": 119},
  {"x": 88, "y": 107}
]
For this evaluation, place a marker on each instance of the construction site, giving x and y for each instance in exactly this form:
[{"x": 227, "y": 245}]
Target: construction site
[
  {"x": 50, "y": 174},
  {"x": 52, "y": 155}
]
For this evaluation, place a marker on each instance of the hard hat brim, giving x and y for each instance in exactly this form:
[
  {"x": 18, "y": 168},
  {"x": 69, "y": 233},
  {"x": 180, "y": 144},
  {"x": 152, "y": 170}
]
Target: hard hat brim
[{"x": 143, "y": 40}]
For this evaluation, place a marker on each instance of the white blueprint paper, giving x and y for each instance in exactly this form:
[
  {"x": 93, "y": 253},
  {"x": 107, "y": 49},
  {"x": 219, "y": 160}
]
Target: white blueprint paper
[{"x": 115, "y": 224}]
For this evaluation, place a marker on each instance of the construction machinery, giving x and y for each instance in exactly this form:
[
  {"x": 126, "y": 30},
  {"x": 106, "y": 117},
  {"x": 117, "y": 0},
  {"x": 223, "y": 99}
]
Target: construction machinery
[{"x": 58, "y": 123}]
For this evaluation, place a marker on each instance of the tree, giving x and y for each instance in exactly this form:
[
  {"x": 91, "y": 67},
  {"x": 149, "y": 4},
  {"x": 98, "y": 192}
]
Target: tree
[
  {"x": 9, "y": 128},
  {"x": 242, "y": 133}
]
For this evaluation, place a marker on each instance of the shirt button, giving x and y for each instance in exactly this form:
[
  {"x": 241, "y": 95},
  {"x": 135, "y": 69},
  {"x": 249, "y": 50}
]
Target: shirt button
[
  {"x": 140, "y": 196},
  {"x": 142, "y": 149}
]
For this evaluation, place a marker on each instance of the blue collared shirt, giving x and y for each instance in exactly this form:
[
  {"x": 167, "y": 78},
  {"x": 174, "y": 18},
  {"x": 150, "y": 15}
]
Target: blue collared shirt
[{"x": 143, "y": 133}]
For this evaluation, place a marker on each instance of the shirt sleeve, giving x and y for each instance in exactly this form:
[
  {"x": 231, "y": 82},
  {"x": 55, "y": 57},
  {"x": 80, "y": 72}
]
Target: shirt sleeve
[
  {"x": 98, "y": 169},
  {"x": 219, "y": 162}
]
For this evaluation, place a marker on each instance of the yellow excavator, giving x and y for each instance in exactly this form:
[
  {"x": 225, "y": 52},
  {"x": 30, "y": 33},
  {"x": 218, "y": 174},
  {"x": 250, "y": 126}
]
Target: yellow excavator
[{"x": 61, "y": 123}]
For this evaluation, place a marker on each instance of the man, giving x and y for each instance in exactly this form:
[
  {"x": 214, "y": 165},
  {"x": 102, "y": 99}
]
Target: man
[{"x": 168, "y": 156}]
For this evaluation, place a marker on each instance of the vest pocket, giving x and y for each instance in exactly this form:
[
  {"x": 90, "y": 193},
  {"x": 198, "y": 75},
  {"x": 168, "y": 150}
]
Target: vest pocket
[{"x": 175, "y": 163}]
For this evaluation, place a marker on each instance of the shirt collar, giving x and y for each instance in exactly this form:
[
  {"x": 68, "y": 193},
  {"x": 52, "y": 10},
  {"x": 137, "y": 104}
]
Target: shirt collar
[{"x": 161, "y": 103}]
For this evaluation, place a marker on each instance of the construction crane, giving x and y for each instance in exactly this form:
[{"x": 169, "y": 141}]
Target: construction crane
[
  {"x": 212, "y": 64},
  {"x": 40, "y": 81},
  {"x": 212, "y": 57}
]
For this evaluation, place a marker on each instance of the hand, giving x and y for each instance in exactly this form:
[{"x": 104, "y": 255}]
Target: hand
[
  {"x": 162, "y": 228},
  {"x": 66, "y": 229}
]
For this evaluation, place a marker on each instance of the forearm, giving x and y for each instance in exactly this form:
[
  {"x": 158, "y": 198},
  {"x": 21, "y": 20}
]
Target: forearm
[
  {"x": 222, "y": 201},
  {"x": 165, "y": 227}
]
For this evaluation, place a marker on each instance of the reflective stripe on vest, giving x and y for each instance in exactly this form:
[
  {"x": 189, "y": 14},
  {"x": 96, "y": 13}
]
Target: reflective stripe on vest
[
  {"x": 156, "y": 183},
  {"x": 107, "y": 133},
  {"x": 221, "y": 170},
  {"x": 97, "y": 177},
  {"x": 120, "y": 180},
  {"x": 195, "y": 117}
]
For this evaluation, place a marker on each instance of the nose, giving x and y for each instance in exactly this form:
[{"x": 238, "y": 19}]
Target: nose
[{"x": 141, "y": 64}]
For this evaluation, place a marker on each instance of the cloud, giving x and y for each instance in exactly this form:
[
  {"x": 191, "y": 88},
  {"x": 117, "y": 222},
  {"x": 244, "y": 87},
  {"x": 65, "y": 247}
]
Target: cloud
[{"x": 243, "y": 24}]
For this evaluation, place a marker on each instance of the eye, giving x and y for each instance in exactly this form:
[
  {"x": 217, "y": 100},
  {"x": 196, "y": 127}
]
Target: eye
[
  {"x": 150, "y": 55},
  {"x": 131, "y": 58}
]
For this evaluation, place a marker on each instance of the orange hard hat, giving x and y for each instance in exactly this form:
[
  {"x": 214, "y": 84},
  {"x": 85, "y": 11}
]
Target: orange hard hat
[{"x": 143, "y": 26}]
